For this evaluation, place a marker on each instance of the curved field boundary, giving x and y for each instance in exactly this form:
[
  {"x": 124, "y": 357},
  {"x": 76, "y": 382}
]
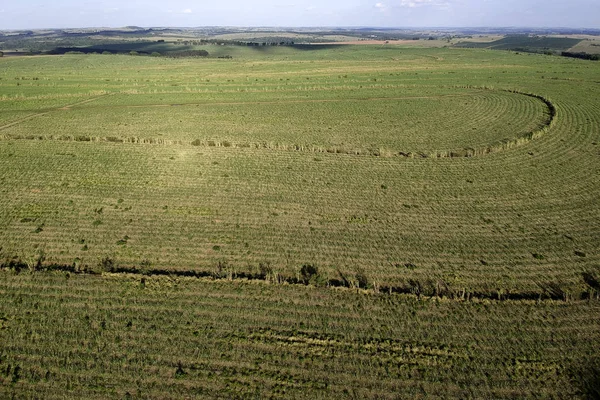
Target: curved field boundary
[
  {"x": 510, "y": 143},
  {"x": 451, "y": 153},
  {"x": 464, "y": 152}
]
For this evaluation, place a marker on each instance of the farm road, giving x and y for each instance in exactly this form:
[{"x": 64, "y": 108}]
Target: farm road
[{"x": 67, "y": 107}]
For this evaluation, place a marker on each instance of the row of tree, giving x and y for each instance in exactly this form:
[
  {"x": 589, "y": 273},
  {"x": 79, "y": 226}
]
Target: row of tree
[{"x": 582, "y": 55}]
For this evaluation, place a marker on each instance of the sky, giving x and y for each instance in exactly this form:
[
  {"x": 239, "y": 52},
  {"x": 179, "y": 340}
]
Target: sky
[{"x": 31, "y": 14}]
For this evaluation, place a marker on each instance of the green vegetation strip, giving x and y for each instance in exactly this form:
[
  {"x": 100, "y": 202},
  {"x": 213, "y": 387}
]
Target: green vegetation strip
[{"x": 309, "y": 275}]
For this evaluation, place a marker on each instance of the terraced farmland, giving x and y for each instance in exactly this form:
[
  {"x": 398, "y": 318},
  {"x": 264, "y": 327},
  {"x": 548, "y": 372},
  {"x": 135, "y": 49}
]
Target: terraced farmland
[{"x": 466, "y": 176}]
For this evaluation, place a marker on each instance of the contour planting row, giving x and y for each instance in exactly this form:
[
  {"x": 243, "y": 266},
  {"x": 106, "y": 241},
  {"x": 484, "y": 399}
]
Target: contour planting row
[
  {"x": 416, "y": 219},
  {"x": 378, "y": 126},
  {"x": 67, "y": 335},
  {"x": 516, "y": 220}
]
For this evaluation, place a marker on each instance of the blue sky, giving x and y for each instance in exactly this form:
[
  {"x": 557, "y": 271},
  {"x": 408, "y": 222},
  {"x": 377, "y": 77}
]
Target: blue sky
[{"x": 24, "y": 14}]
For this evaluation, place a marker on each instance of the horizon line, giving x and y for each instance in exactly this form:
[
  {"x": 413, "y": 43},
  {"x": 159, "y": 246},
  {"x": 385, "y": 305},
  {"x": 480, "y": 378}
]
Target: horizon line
[{"x": 328, "y": 27}]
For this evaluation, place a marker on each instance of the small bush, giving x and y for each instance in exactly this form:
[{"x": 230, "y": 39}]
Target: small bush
[
  {"x": 16, "y": 374},
  {"x": 107, "y": 264},
  {"x": 265, "y": 269},
  {"x": 362, "y": 280},
  {"x": 592, "y": 279},
  {"x": 309, "y": 273},
  {"x": 180, "y": 372}
]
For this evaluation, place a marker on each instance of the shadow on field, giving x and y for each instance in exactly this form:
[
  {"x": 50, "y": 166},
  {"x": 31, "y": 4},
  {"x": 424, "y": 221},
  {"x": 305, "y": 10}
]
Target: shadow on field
[
  {"x": 585, "y": 376},
  {"x": 313, "y": 47},
  {"x": 122, "y": 48},
  {"x": 591, "y": 280}
]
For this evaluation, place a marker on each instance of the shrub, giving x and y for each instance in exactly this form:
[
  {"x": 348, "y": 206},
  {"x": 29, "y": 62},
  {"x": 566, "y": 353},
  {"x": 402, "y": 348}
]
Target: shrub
[
  {"x": 308, "y": 273},
  {"x": 107, "y": 264},
  {"x": 362, "y": 280},
  {"x": 265, "y": 269},
  {"x": 179, "y": 372}
]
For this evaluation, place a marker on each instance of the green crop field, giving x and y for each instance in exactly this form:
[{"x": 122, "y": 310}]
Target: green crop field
[{"x": 305, "y": 222}]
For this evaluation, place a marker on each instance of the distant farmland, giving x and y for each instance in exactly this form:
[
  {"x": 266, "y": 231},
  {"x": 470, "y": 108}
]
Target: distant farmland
[
  {"x": 351, "y": 221},
  {"x": 525, "y": 43}
]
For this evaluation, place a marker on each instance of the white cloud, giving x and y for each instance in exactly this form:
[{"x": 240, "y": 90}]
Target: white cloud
[
  {"x": 421, "y": 3},
  {"x": 179, "y": 12},
  {"x": 381, "y": 7}
]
